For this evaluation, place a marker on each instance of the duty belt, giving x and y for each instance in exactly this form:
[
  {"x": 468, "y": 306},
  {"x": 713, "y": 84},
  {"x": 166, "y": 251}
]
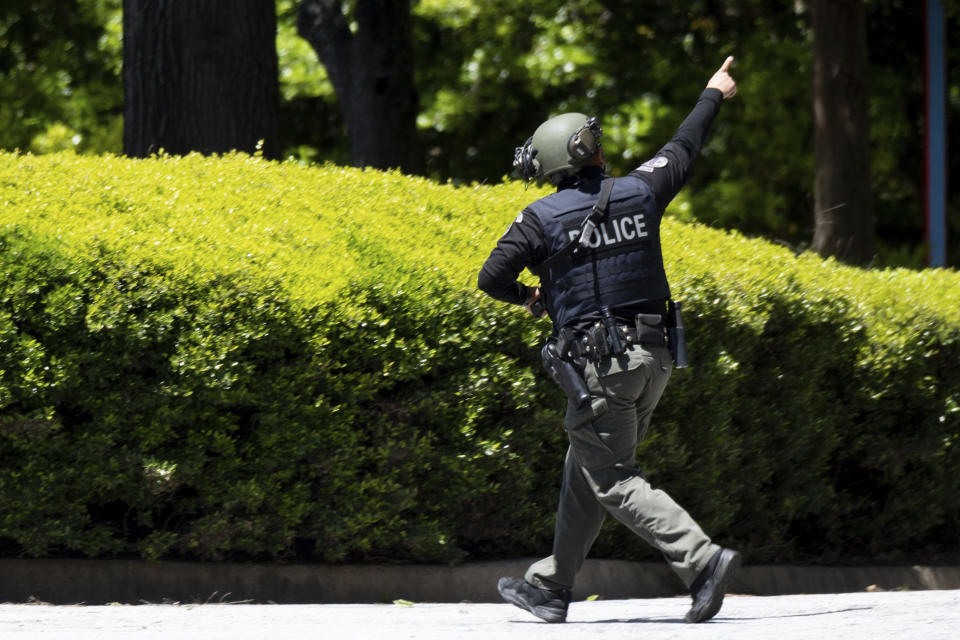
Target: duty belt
[{"x": 596, "y": 342}]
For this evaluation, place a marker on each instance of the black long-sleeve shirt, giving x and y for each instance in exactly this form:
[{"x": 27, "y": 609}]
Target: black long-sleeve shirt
[{"x": 523, "y": 245}]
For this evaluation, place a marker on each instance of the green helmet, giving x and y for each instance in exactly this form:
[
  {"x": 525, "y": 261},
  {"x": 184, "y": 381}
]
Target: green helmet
[{"x": 560, "y": 147}]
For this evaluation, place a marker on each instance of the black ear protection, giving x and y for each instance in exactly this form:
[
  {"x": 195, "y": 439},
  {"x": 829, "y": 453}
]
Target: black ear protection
[
  {"x": 523, "y": 161},
  {"x": 584, "y": 142}
]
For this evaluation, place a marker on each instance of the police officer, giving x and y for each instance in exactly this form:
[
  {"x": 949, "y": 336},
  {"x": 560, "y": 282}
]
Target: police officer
[{"x": 595, "y": 245}]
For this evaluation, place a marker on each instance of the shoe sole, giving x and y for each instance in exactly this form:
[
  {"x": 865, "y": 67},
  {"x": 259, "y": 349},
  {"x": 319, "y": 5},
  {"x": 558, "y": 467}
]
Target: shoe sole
[
  {"x": 726, "y": 569},
  {"x": 547, "y": 614}
]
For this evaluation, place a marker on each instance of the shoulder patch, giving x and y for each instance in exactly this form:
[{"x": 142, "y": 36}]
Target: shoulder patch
[
  {"x": 519, "y": 219},
  {"x": 657, "y": 162}
]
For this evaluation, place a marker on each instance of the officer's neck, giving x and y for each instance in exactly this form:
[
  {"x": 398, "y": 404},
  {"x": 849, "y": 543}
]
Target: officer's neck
[{"x": 587, "y": 174}]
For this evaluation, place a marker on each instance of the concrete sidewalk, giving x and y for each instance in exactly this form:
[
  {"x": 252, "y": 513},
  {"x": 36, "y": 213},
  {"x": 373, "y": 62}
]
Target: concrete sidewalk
[
  {"x": 927, "y": 615},
  {"x": 104, "y": 581}
]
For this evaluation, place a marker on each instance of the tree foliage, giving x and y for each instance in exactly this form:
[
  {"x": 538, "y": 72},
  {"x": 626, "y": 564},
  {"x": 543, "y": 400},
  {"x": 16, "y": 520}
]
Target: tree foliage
[
  {"x": 60, "y": 75},
  {"x": 487, "y": 73}
]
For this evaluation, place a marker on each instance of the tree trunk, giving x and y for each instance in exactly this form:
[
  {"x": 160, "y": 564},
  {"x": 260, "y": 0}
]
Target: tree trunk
[
  {"x": 200, "y": 76},
  {"x": 371, "y": 70},
  {"x": 843, "y": 200}
]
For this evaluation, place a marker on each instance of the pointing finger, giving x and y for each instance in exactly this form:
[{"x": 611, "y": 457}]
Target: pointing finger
[{"x": 726, "y": 64}]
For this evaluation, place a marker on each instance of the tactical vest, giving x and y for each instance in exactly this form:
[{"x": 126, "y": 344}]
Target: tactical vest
[{"x": 623, "y": 267}]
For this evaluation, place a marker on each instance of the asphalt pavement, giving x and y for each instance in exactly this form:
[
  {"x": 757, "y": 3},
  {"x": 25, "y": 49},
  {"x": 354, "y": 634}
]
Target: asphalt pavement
[{"x": 905, "y": 615}]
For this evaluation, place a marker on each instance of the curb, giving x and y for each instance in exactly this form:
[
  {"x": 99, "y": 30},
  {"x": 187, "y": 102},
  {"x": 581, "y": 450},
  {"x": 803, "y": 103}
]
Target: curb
[{"x": 136, "y": 581}]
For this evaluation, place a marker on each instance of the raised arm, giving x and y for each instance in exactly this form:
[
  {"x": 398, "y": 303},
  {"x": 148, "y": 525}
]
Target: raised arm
[{"x": 670, "y": 167}]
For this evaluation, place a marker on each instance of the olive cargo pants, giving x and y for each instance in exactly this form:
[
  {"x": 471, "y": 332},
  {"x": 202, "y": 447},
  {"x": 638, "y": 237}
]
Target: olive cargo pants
[{"x": 600, "y": 475}]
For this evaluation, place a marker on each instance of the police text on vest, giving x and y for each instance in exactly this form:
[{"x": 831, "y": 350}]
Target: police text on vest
[{"x": 615, "y": 230}]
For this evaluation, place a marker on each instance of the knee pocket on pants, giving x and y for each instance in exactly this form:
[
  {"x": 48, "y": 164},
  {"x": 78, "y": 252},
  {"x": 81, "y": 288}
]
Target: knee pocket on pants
[
  {"x": 589, "y": 447},
  {"x": 577, "y": 417}
]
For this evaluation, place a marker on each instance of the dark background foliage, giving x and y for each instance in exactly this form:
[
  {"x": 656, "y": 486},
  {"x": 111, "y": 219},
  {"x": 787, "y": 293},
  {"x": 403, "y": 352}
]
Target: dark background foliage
[{"x": 487, "y": 73}]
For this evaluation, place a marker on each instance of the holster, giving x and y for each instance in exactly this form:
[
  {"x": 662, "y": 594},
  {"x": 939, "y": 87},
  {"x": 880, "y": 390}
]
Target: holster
[{"x": 565, "y": 373}]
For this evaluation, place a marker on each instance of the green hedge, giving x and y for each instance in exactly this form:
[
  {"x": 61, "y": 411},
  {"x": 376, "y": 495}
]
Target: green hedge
[{"x": 228, "y": 358}]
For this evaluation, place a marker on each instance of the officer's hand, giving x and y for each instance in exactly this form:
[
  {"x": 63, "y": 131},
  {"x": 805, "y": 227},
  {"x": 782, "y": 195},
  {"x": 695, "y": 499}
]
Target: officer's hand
[
  {"x": 535, "y": 304},
  {"x": 722, "y": 81}
]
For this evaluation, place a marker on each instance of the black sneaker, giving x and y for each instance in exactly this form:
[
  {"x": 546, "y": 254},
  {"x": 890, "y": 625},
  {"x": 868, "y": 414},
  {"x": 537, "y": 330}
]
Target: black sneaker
[
  {"x": 711, "y": 585},
  {"x": 547, "y": 605}
]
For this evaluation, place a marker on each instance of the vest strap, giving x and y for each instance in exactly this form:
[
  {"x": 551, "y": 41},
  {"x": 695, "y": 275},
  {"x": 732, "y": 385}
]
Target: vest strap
[{"x": 589, "y": 225}]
